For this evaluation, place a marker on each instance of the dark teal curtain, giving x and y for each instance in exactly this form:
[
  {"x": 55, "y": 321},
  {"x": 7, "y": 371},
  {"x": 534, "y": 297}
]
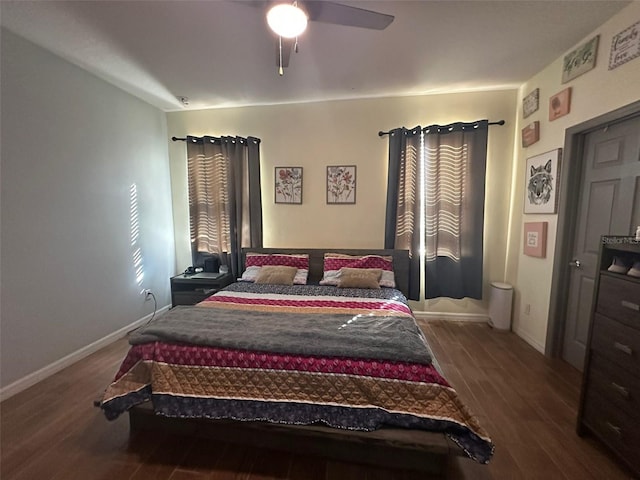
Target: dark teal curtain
[
  {"x": 455, "y": 173},
  {"x": 450, "y": 160},
  {"x": 403, "y": 202},
  {"x": 225, "y": 204}
]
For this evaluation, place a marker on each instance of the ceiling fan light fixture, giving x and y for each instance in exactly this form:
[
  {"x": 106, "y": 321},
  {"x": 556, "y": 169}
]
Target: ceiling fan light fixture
[{"x": 287, "y": 20}]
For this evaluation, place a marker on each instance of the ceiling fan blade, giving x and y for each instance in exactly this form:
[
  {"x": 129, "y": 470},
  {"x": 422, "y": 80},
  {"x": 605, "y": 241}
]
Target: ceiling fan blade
[
  {"x": 287, "y": 46},
  {"x": 330, "y": 12},
  {"x": 253, "y": 3}
]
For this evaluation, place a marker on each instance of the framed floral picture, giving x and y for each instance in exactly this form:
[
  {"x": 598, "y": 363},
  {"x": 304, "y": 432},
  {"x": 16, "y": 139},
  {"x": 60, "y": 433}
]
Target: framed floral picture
[
  {"x": 288, "y": 185},
  {"x": 341, "y": 184},
  {"x": 542, "y": 180}
]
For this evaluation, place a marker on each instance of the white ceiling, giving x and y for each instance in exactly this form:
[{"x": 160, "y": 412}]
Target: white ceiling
[{"x": 221, "y": 54}]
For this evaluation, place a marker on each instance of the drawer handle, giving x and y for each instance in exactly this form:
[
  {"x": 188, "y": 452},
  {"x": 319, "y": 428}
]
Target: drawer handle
[
  {"x": 615, "y": 429},
  {"x": 620, "y": 389},
  {"x": 631, "y": 305},
  {"x": 623, "y": 348}
]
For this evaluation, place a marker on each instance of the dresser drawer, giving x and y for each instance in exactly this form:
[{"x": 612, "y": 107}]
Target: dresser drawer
[
  {"x": 616, "y": 385},
  {"x": 617, "y": 429},
  {"x": 617, "y": 342},
  {"x": 191, "y": 298},
  {"x": 619, "y": 298}
]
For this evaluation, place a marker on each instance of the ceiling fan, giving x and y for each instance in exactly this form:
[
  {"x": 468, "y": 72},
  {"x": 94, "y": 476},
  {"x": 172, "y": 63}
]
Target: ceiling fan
[{"x": 283, "y": 15}]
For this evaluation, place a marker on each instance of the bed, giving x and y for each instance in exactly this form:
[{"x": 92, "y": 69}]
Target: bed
[{"x": 331, "y": 369}]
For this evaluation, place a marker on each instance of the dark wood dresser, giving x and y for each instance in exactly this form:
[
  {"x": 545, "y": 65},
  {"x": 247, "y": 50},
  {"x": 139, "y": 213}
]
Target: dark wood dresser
[{"x": 610, "y": 398}]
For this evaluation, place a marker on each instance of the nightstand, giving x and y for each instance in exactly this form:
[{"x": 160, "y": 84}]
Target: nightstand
[{"x": 191, "y": 289}]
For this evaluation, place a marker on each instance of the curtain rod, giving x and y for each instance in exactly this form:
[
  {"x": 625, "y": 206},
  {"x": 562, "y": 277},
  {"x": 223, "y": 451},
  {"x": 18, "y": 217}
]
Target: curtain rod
[
  {"x": 255, "y": 140},
  {"x": 463, "y": 124}
]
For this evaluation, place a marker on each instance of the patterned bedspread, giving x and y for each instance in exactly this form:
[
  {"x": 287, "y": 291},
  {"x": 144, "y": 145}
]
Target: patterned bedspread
[{"x": 343, "y": 388}]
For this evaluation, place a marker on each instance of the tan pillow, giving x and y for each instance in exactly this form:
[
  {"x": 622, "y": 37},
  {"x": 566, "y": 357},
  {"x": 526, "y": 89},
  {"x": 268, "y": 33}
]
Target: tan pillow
[
  {"x": 359, "y": 277},
  {"x": 276, "y": 275}
]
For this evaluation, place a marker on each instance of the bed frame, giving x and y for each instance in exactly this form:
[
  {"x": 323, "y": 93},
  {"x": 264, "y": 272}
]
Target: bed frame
[{"x": 387, "y": 447}]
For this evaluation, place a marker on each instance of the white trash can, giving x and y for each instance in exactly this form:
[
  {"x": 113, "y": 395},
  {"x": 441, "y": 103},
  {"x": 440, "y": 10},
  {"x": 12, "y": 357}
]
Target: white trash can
[{"x": 500, "y": 303}]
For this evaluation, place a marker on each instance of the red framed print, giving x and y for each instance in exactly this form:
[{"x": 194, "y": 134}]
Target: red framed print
[{"x": 535, "y": 239}]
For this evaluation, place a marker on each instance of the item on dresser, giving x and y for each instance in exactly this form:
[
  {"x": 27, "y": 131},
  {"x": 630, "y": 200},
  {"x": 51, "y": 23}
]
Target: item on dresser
[
  {"x": 610, "y": 397},
  {"x": 635, "y": 270},
  {"x": 618, "y": 266}
]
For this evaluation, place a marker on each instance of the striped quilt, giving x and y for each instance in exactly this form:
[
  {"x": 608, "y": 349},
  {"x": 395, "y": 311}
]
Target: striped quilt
[{"x": 256, "y": 377}]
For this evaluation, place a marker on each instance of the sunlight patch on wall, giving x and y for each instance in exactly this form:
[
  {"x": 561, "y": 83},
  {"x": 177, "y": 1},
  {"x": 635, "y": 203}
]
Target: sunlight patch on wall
[{"x": 138, "y": 264}]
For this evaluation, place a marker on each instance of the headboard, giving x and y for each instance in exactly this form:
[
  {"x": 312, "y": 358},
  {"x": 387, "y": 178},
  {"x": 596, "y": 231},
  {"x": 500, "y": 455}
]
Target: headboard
[{"x": 316, "y": 261}]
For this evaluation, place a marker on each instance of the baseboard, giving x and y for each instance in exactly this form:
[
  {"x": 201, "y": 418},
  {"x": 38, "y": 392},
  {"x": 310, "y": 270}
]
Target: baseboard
[
  {"x": 39, "y": 375},
  {"x": 452, "y": 317},
  {"x": 529, "y": 339}
]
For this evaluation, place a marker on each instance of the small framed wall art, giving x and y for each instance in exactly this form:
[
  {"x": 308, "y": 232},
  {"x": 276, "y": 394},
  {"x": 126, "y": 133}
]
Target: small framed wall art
[
  {"x": 530, "y": 134},
  {"x": 341, "y": 184},
  {"x": 560, "y": 104},
  {"x": 535, "y": 239},
  {"x": 288, "y": 185},
  {"x": 530, "y": 103},
  {"x": 625, "y": 46},
  {"x": 541, "y": 187},
  {"x": 580, "y": 60}
]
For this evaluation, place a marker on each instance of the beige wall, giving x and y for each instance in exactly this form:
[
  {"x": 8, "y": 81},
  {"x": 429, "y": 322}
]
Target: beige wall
[
  {"x": 344, "y": 132},
  {"x": 594, "y": 93},
  {"x": 315, "y": 135}
]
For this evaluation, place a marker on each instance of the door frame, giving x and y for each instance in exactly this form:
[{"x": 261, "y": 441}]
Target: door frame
[{"x": 570, "y": 189}]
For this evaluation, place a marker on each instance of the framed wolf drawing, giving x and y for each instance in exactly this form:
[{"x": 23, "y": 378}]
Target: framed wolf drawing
[{"x": 542, "y": 180}]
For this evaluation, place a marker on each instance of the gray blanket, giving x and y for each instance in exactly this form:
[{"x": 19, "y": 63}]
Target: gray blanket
[{"x": 325, "y": 335}]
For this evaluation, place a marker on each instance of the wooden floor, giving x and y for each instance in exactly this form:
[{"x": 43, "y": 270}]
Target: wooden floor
[{"x": 526, "y": 402}]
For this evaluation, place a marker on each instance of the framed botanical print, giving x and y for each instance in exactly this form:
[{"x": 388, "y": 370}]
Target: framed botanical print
[
  {"x": 541, "y": 187},
  {"x": 288, "y": 185},
  {"x": 341, "y": 184}
]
